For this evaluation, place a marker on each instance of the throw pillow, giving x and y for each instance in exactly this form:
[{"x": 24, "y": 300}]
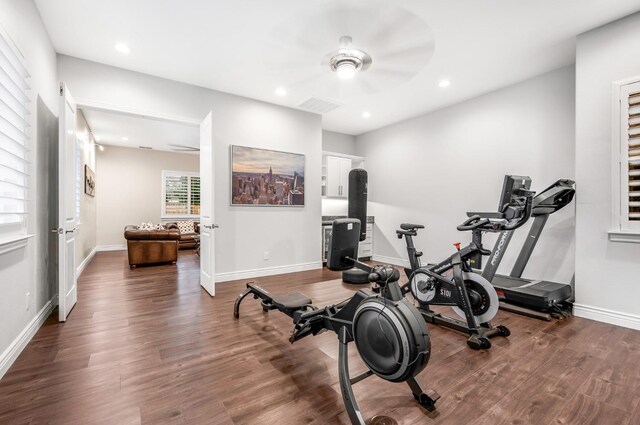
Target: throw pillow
[
  {"x": 186, "y": 227},
  {"x": 158, "y": 227},
  {"x": 145, "y": 226}
]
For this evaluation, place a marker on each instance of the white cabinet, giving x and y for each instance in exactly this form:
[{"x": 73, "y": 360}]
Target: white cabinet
[
  {"x": 365, "y": 248},
  {"x": 337, "y": 177}
]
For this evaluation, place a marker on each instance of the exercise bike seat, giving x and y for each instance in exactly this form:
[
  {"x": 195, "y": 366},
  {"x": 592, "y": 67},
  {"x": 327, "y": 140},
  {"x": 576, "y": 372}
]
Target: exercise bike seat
[{"x": 409, "y": 226}]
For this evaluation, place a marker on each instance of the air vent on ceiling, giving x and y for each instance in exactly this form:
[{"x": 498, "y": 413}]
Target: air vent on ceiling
[
  {"x": 145, "y": 147},
  {"x": 319, "y": 106}
]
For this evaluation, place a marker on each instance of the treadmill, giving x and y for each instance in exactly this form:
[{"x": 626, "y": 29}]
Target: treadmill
[{"x": 534, "y": 298}]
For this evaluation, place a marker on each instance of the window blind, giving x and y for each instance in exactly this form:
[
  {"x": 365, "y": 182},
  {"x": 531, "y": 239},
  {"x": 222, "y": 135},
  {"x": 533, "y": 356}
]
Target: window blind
[
  {"x": 633, "y": 157},
  {"x": 181, "y": 194},
  {"x": 14, "y": 112}
]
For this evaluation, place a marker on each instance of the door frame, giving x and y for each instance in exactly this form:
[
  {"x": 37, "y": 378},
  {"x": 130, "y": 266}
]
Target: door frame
[{"x": 140, "y": 113}]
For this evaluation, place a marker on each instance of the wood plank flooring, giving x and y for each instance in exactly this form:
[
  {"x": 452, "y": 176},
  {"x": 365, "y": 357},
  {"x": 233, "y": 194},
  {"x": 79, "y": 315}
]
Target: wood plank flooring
[{"x": 148, "y": 346}]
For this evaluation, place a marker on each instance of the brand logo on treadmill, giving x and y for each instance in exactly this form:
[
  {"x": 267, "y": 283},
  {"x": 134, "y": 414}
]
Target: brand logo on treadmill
[
  {"x": 445, "y": 292},
  {"x": 503, "y": 240}
]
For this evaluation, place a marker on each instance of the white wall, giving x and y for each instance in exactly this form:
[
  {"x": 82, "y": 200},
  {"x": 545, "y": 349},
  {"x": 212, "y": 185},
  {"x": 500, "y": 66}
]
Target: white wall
[
  {"x": 338, "y": 142},
  {"x": 607, "y": 273},
  {"x": 129, "y": 188},
  {"x": 24, "y": 271},
  {"x": 290, "y": 235},
  {"x": 86, "y": 239},
  {"x": 434, "y": 168}
]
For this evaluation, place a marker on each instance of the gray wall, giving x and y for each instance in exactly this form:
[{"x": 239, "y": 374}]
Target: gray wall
[
  {"x": 338, "y": 142},
  {"x": 434, "y": 168},
  {"x": 130, "y": 188},
  {"x": 290, "y": 235},
  {"x": 86, "y": 239},
  {"x": 25, "y": 270},
  {"x": 607, "y": 273}
]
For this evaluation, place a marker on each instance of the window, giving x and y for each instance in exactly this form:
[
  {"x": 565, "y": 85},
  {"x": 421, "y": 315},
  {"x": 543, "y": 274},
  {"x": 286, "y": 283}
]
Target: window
[
  {"x": 180, "y": 194},
  {"x": 14, "y": 163},
  {"x": 626, "y": 157}
]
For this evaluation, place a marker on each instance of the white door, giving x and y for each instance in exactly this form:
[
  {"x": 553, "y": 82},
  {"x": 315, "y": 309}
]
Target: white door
[
  {"x": 207, "y": 226},
  {"x": 67, "y": 283}
]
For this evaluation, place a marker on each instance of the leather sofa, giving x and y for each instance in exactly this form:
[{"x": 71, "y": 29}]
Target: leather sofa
[
  {"x": 151, "y": 246},
  {"x": 186, "y": 240}
]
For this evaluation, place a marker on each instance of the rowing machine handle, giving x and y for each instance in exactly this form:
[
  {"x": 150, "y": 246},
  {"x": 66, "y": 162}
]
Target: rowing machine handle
[{"x": 473, "y": 222}]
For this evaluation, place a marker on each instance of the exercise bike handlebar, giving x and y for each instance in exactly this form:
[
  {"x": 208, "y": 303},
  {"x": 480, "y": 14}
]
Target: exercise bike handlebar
[
  {"x": 473, "y": 222},
  {"x": 476, "y": 221}
]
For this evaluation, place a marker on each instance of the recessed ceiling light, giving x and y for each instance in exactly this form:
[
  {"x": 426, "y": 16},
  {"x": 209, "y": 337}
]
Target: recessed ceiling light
[
  {"x": 101, "y": 148},
  {"x": 444, "y": 83},
  {"x": 125, "y": 139},
  {"x": 366, "y": 114},
  {"x": 122, "y": 48},
  {"x": 281, "y": 91}
]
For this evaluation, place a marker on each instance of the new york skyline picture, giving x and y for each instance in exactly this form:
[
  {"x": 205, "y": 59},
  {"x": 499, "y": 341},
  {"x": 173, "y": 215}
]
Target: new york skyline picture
[{"x": 262, "y": 177}]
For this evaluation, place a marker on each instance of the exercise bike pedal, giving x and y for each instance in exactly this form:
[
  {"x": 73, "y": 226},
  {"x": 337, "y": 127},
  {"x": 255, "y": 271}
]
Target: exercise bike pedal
[{"x": 479, "y": 342}]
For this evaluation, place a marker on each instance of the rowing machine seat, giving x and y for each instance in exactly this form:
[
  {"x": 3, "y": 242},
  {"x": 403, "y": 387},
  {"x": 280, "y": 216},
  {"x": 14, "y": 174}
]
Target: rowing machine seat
[{"x": 293, "y": 301}]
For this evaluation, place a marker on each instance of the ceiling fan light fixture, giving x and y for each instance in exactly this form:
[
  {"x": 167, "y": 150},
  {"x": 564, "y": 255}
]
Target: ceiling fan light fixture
[
  {"x": 346, "y": 69},
  {"x": 347, "y": 61}
]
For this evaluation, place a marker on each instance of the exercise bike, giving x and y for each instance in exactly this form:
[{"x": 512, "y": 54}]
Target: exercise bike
[
  {"x": 453, "y": 282},
  {"x": 389, "y": 333}
]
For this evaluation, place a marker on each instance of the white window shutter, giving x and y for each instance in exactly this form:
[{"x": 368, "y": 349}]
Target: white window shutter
[{"x": 14, "y": 122}]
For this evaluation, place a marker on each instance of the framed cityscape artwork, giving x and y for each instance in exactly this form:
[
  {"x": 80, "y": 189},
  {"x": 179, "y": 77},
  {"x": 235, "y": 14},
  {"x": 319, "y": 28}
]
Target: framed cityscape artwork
[{"x": 262, "y": 177}]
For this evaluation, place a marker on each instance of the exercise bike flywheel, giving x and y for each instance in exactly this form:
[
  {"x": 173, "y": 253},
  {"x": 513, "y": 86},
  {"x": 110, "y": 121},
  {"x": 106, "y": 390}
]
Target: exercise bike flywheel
[{"x": 483, "y": 297}]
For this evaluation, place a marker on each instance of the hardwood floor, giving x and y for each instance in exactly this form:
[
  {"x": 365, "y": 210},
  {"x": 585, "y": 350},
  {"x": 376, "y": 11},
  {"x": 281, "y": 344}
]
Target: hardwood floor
[{"x": 148, "y": 346}]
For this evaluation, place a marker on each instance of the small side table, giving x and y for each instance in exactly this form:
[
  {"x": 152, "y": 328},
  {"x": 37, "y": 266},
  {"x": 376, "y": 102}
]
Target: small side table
[{"x": 196, "y": 248}]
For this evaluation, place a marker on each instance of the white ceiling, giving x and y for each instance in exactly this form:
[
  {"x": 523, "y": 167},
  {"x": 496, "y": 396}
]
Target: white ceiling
[
  {"x": 110, "y": 128},
  {"x": 250, "y": 47}
]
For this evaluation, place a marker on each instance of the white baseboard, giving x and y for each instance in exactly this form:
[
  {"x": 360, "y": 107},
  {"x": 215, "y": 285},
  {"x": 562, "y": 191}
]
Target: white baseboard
[
  {"x": 607, "y": 316},
  {"x": 391, "y": 260},
  {"x": 268, "y": 271},
  {"x": 15, "y": 348},
  {"x": 111, "y": 248},
  {"x": 85, "y": 262}
]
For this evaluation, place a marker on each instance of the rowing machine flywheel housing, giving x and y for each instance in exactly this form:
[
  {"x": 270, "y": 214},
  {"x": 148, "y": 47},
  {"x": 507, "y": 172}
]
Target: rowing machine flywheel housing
[{"x": 391, "y": 338}]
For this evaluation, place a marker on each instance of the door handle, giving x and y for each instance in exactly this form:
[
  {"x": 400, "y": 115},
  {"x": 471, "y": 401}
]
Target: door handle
[
  {"x": 206, "y": 226},
  {"x": 72, "y": 230},
  {"x": 215, "y": 226},
  {"x": 56, "y": 230}
]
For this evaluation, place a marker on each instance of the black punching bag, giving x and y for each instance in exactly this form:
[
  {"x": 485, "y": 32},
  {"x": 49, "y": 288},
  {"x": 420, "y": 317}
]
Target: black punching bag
[
  {"x": 358, "y": 199},
  {"x": 357, "y": 209}
]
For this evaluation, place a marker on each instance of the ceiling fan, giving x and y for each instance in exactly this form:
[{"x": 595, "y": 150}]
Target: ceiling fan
[{"x": 343, "y": 49}]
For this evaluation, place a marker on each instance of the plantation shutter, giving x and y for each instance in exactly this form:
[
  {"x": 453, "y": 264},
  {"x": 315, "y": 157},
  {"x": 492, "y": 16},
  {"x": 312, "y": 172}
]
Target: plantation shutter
[
  {"x": 181, "y": 194},
  {"x": 195, "y": 196},
  {"x": 633, "y": 155},
  {"x": 14, "y": 112}
]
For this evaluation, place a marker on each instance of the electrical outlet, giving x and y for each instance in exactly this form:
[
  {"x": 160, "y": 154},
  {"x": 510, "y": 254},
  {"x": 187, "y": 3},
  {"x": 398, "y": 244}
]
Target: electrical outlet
[
  {"x": 265, "y": 255},
  {"x": 27, "y": 301}
]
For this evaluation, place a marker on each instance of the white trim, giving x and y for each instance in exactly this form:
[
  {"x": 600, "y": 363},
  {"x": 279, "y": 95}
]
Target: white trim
[
  {"x": 268, "y": 271},
  {"x": 622, "y": 236},
  {"x": 137, "y": 112},
  {"x": 391, "y": 260},
  {"x": 617, "y": 318},
  {"x": 343, "y": 155},
  {"x": 85, "y": 262},
  {"x": 103, "y": 248},
  {"x": 15, "y": 348},
  {"x": 11, "y": 244}
]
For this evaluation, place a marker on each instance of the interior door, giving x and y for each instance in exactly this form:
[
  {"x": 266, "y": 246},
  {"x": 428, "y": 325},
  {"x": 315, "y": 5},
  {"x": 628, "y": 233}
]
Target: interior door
[
  {"x": 207, "y": 226},
  {"x": 67, "y": 224}
]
